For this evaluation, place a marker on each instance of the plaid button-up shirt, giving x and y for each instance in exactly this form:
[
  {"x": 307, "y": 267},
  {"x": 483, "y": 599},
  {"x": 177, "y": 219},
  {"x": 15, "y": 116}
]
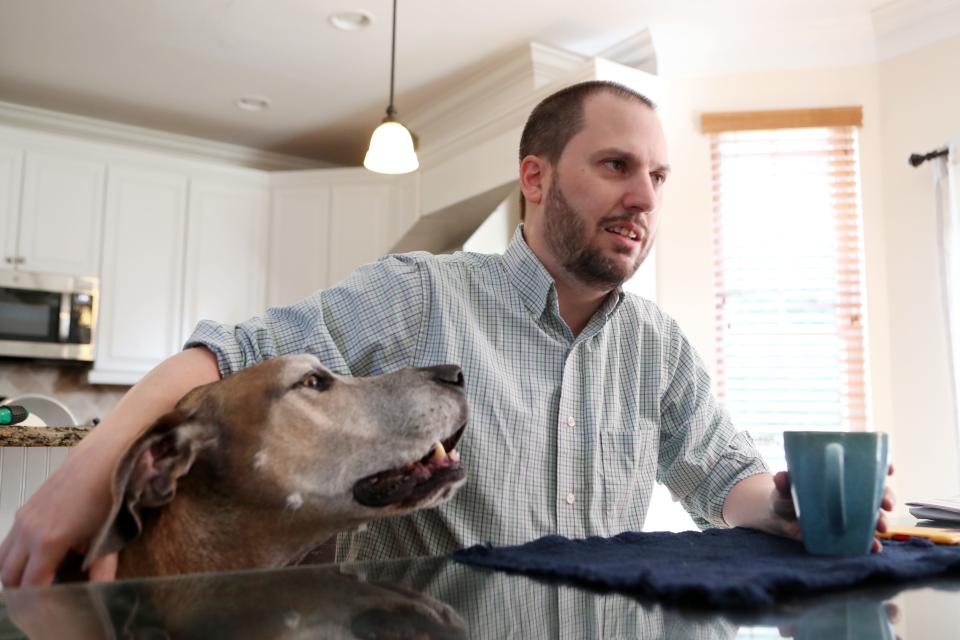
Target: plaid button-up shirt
[{"x": 567, "y": 434}]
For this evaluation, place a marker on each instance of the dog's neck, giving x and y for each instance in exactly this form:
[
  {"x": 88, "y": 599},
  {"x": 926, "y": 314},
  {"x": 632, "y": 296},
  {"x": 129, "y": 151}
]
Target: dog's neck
[{"x": 183, "y": 537}]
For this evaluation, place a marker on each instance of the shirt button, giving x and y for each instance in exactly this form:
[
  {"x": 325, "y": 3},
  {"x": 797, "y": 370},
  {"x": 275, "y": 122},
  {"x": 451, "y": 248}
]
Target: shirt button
[
  {"x": 571, "y": 421},
  {"x": 570, "y": 498}
]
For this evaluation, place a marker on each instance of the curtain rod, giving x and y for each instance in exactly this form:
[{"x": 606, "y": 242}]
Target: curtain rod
[{"x": 917, "y": 159}]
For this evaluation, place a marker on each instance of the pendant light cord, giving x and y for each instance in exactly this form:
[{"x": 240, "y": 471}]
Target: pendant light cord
[{"x": 391, "y": 110}]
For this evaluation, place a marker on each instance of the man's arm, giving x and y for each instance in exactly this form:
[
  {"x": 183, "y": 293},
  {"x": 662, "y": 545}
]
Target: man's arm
[{"x": 69, "y": 508}]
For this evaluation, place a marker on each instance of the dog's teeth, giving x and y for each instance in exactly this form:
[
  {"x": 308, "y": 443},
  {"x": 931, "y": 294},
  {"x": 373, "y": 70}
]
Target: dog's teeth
[
  {"x": 439, "y": 453},
  {"x": 454, "y": 456}
]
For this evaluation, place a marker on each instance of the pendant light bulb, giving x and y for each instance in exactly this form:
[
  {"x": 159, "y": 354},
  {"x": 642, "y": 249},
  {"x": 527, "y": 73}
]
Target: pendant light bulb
[
  {"x": 391, "y": 145},
  {"x": 391, "y": 149}
]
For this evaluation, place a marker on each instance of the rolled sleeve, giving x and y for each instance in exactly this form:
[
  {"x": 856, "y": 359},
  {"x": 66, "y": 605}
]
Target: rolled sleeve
[
  {"x": 367, "y": 324},
  {"x": 702, "y": 455}
]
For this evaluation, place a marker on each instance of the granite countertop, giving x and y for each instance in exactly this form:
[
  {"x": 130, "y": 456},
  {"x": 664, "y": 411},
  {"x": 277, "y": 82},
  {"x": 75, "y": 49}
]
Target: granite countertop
[{"x": 17, "y": 436}]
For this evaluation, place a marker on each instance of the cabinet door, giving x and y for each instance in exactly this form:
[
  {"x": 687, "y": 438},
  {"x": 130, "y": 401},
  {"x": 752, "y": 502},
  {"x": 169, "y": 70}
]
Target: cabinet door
[
  {"x": 227, "y": 242},
  {"x": 299, "y": 239},
  {"x": 359, "y": 229},
  {"x": 142, "y": 281},
  {"x": 11, "y": 164},
  {"x": 62, "y": 212}
]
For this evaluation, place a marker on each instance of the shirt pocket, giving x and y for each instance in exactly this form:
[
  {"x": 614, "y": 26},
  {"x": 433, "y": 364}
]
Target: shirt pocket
[{"x": 626, "y": 480}]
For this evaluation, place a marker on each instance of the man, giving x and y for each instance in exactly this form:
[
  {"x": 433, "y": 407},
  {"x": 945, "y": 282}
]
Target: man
[{"x": 580, "y": 395}]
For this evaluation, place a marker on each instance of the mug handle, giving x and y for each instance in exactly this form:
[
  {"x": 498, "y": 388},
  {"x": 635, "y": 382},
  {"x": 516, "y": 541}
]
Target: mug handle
[{"x": 836, "y": 501}]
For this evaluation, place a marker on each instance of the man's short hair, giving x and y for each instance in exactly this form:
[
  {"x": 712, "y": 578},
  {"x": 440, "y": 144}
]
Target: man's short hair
[{"x": 559, "y": 117}]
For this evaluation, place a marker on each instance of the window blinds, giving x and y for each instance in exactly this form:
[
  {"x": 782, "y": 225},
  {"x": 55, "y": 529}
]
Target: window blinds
[{"x": 790, "y": 334}]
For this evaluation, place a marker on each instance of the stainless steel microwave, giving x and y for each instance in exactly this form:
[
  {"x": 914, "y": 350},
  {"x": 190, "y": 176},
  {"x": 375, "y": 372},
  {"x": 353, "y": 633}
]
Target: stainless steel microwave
[{"x": 47, "y": 315}]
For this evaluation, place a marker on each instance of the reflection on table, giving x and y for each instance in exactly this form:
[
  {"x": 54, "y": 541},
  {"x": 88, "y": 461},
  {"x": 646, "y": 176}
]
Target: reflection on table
[{"x": 437, "y": 598}]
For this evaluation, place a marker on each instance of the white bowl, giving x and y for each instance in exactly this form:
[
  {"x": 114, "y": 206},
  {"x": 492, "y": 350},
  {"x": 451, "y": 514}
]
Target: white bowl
[{"x": 44, "y": 411}]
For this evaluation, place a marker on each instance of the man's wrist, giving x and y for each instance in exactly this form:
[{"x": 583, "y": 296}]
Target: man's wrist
[{"x": 749, "y": 503}]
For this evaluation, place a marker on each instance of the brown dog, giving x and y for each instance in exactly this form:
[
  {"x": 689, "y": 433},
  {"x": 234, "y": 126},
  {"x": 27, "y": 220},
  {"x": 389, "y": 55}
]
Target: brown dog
[{"x": 269, "y": 463}]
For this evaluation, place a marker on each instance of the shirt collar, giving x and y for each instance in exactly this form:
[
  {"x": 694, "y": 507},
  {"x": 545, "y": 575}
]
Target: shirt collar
[
  {"x": 535, "y": 284},
  {"x": 527, "y": 273}
]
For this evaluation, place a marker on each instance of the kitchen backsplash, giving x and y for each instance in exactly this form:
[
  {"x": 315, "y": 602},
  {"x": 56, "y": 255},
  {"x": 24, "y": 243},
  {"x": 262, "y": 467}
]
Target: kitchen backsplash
[{"x": 68, "y": 384}]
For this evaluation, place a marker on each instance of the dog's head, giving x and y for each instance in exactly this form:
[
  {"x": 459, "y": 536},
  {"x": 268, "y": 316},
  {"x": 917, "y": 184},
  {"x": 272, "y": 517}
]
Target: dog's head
[{"x": 288, "y": 436}]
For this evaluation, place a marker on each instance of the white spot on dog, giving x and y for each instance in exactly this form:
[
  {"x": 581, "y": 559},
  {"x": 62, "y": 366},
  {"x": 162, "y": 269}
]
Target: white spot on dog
[
  {"x": 294, "y": 501},
  {"x": 259, "y": 459},
  {"x": 291, "y": 619}
]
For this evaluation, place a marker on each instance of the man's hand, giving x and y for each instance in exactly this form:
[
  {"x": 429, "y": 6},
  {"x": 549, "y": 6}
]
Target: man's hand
[
  {"x": 754, "y": 503},
  {"x": 758, "y": 503},
  {"x": 783, "y": 503}
]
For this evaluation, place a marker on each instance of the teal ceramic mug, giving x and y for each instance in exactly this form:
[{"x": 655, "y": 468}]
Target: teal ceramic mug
[{"x": 837, "y": 483}]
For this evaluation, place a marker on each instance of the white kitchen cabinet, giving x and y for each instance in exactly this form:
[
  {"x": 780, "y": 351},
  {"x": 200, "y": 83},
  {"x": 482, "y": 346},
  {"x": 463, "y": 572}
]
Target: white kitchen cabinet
[
  {"x": 327, "y": 222},
  {"x": 299, "y": 240},
  {"x": 227, "y": 251},
  {"x": 22, "y": 471},
  {"x": 61, "y": 213},
  {"x": 142, "y": 278},
  {"x": 11, "y": 166}
]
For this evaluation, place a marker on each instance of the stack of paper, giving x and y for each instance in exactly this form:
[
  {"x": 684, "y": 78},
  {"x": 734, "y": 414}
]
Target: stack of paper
[{"x": 945, "y": 509}]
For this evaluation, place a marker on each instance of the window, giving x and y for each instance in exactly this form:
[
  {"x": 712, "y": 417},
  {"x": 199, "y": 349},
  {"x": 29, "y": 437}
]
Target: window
[{"x": 789, "y": 294}]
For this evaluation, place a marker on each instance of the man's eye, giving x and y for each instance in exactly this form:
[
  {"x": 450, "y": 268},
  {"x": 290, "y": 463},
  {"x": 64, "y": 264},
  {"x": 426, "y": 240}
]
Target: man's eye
[
  {"x": 318, "y": 382},
  {"x": 616, "y": 165},
  {"x": 659, "y": 178}
]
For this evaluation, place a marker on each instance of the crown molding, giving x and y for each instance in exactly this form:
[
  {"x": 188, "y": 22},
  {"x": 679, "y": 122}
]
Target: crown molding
[
  {"x": 103, "y": 131},
  {"x": 901, "y": 26},
  {"x": 637, "y": 51},
  {"x": 489, "y": 97},
  {"x": 550, "y": 64}
]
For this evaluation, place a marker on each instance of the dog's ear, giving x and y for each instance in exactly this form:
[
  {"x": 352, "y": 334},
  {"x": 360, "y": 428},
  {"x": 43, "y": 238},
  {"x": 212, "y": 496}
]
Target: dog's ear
[{"x": 146, "y": 477}]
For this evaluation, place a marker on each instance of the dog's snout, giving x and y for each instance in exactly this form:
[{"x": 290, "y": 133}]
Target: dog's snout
[{"x": 447, "y": 374}]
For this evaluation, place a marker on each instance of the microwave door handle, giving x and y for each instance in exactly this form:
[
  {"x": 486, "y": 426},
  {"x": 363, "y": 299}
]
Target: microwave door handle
[{"x": 64, "y": 329}]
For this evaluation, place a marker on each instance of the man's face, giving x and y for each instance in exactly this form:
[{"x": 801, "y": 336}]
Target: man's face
[{"x": 601, "y": 210}]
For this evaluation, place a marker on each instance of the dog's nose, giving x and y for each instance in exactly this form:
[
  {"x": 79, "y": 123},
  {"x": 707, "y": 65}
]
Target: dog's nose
[{"x": 447, "y": 374}]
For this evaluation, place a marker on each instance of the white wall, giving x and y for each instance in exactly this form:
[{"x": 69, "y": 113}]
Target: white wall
[{"x": 910, "y": 103}]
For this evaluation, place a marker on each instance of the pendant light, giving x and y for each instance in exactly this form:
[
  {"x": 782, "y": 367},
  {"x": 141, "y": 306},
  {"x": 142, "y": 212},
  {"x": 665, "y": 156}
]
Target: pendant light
[{"x": 391, "y": 145}]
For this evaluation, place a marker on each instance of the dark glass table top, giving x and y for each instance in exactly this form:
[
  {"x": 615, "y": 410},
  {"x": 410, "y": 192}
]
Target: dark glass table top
[{"x": 436, "y": 598}]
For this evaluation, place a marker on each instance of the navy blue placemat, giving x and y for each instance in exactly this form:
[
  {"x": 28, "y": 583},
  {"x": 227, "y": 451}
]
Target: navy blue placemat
[{"x": 718, "y": 567}]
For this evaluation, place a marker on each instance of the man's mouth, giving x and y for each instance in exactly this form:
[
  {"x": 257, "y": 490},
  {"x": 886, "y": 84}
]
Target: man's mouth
[
  {"x": 629, "y": 232},
  {"x": 407, "y": 485}
]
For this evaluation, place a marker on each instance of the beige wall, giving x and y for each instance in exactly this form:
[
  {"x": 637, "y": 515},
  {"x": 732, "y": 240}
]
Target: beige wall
[
  {"x": 920, "y": 100},
  {"x": 910, "y": 103}
]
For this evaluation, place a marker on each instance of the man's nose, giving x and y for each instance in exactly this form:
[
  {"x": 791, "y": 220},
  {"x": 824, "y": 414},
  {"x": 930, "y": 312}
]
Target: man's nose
[{"x": 643, "y": 195}]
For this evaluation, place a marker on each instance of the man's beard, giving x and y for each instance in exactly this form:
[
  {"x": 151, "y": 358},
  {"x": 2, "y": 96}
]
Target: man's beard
[{"x": 566, "y": 235}]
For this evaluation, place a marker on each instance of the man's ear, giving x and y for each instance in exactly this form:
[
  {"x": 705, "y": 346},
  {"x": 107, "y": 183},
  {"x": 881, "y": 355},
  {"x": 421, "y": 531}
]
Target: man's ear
[
  {"x": 533, "y": 179},
  {"x": 147, "y": 477}
]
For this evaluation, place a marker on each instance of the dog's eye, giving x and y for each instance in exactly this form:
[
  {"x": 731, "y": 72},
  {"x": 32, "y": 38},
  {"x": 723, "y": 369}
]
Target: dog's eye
[{"x": 318, "y": 381}]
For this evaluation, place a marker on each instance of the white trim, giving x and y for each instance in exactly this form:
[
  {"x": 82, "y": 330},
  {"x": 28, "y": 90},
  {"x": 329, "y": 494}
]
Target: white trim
[
  {"x": 337, "y": 176},
  {"x": 550, "y": 64},
  {"x": 902, "y": 26},
  {"x": 637, "y": 51},
  {"x": 487, "y": 102},
  {"x": 126, "y": 378},
  {"x": 43, "y": 120}
]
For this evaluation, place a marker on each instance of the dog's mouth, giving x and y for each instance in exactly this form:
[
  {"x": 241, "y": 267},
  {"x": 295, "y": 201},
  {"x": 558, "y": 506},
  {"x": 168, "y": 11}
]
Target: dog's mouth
[{"x": 405, "y": 486}]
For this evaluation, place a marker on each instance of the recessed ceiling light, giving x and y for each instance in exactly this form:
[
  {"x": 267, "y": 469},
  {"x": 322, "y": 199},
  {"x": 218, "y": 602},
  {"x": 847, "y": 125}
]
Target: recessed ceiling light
[
  {"x": 252, "y": 103},
  {"x": 351, "y": 20}
]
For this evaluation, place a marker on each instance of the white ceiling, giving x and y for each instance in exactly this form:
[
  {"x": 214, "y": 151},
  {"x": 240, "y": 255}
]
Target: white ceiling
[{"x": 179, "y": 65}]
